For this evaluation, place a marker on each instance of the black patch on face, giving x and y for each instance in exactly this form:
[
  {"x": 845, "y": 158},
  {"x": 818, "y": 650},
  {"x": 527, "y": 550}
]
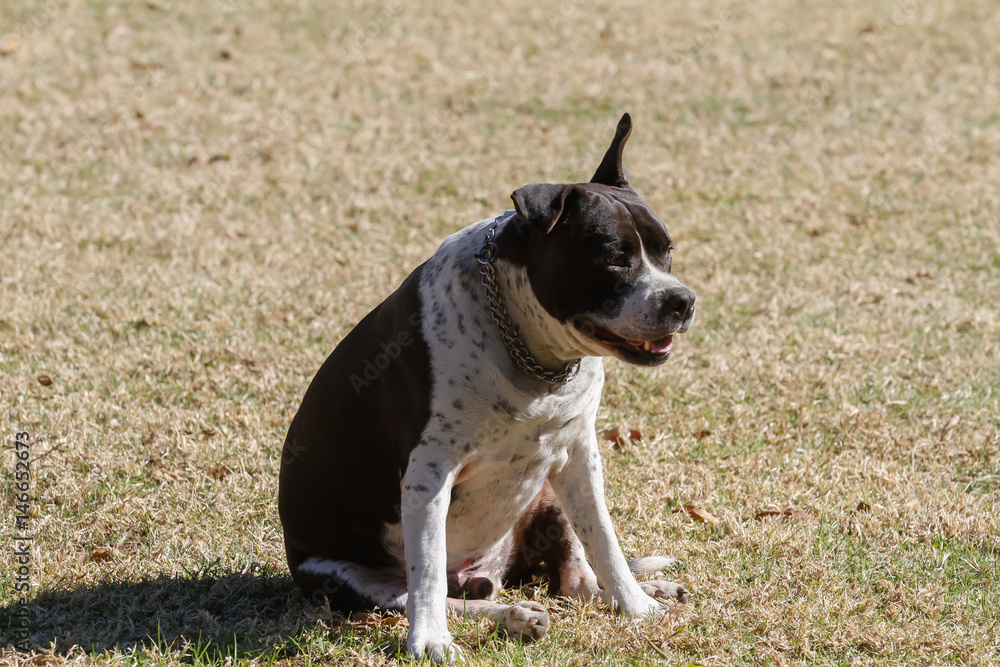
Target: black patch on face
[{"x": 591, "y": 258}]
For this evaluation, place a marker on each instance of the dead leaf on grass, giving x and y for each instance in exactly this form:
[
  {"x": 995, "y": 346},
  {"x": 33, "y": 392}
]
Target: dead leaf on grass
[
  {"x": 863, "y": 507},
  {"x": 787, "y": 513},
  {"x": 218, "y": 471},
  {"x": 615, "y": 436},
  {"x": 699, "y": 514},
  {"x": 10, "y": 45},
  {"x": 101, "y": 555},
  {"x": 702, "y": 434}
]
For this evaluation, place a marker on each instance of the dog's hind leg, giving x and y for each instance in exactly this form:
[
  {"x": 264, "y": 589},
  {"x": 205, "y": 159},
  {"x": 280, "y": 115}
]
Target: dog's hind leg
[
  {"x": 352, "y": 587},
  {"x": 349, "y": 586},
  {"x": 545, "y": 535},
  {"x": 657, "y": 589},
  {"x": 527, "y": 620},
  {"x": 545, "y": 542}
]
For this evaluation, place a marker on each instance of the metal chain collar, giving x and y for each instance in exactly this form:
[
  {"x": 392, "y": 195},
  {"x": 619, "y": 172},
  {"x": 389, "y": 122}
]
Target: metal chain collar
[{"x": 512, "y": 341}]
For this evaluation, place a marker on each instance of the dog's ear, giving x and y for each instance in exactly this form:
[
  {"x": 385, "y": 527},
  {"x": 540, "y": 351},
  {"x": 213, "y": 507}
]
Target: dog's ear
[
  {"x": 611, "y": 171},
  {"x": 541, "y": 205}
]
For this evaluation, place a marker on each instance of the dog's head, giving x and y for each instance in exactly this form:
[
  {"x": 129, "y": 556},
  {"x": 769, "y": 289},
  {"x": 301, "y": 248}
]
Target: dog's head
[{"x": 598, "y": 261}]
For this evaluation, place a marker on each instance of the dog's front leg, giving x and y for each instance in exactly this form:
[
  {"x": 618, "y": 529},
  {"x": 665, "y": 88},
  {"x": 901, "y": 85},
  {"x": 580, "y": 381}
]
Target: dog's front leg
[
  {"x": 426, "y": 492},
  {"x": 579, "y": 486}
]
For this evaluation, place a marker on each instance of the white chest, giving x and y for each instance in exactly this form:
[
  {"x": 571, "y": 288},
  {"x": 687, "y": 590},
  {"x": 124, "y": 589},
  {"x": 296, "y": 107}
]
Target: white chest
[{"x": 508, "y": 446}]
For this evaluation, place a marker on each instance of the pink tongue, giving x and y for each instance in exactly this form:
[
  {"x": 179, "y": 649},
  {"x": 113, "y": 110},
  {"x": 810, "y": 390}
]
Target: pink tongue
[{"x": 662, "y": 345}]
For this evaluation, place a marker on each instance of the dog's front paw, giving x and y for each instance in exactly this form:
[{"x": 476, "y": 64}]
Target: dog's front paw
[
  {"x": 439, "y": 648},
  {"x": 664, "y": 590},
  {"x": 654, "y": 609},
  {"x": 529, "y": 620}
]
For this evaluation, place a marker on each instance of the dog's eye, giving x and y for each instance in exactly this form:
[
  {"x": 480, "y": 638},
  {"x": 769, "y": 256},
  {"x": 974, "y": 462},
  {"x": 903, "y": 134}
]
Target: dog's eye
[{"x": 617, "y": 260}]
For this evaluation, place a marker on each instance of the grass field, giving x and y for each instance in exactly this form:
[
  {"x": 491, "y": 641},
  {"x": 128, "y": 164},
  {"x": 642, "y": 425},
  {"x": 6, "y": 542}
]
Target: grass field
[{"x": 199, "y": 199}]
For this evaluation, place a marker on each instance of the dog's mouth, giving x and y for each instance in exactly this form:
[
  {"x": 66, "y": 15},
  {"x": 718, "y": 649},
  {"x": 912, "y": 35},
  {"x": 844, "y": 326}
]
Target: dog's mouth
[{"x": 648, "y": 352}]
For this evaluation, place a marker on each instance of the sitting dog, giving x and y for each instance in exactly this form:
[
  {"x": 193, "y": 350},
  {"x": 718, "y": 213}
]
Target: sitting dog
[{"x": 448, "y": 445}]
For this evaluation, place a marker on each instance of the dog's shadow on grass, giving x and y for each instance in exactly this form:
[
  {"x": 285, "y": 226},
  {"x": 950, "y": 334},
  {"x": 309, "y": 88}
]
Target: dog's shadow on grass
[{"x": 208, "y": 615}]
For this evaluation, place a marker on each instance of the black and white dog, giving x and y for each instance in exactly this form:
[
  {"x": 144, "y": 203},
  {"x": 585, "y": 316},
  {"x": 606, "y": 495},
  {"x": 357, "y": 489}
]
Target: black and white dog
[{"x": 447, "y": 445}]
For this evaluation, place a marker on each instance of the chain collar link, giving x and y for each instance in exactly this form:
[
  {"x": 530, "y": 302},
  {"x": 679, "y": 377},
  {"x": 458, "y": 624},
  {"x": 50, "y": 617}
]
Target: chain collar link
[{"x": 512, "y": 341}]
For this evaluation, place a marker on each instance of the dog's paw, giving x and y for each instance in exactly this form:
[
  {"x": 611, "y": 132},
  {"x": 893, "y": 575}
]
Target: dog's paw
[
  {"x": 438, "y": 648},
  {"x": 653, "y": 609},
  {"x": 664, "y": 590},
  {"x": 643, "y": 604},
  {"x": 528, "y": 620}
]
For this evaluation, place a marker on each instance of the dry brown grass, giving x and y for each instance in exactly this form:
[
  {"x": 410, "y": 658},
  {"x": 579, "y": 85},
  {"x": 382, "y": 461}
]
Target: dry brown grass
[{"x": 197, "y": 200}]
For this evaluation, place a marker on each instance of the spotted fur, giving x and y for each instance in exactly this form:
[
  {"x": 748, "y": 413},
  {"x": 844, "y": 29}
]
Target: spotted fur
[{"x": 497, "y": 474}]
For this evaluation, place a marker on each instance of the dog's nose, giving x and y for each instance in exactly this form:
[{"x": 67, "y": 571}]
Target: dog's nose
[{"x": 677, "y": 302}]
